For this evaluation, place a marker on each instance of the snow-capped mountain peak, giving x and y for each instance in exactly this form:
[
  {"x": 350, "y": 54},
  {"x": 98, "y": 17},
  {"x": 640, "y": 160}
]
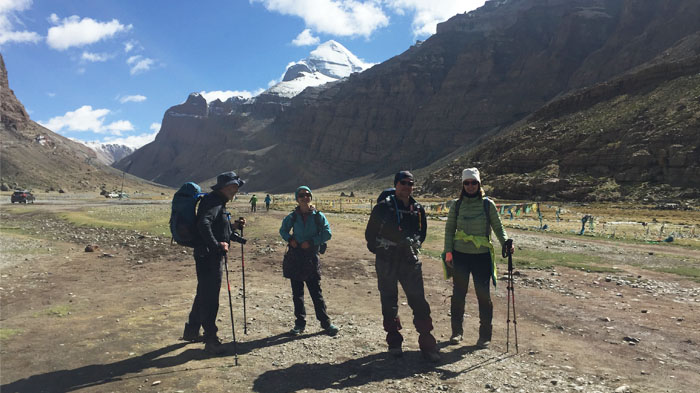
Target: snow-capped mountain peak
[
  {"x": 329, "y": 62},
  {"x": 109, "y": 153}
]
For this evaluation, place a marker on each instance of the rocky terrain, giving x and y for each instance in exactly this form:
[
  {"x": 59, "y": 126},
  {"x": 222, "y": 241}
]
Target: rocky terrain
[
  {"x": 634, "y": 137},
  {"x": 109, "y": 320},
  {"x": 482, "y": 72},
  {"x": 34, "y": 157}
]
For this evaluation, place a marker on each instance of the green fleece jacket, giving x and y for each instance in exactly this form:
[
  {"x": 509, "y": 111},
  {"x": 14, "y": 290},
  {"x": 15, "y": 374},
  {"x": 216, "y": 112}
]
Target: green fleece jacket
[{"x": 471, "y": 219}]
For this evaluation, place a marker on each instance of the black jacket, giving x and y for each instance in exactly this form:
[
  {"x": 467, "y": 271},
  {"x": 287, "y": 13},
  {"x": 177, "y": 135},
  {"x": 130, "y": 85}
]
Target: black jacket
[
  {"x": 410, "y": 223},
  {"x": 213, "y": 225}
]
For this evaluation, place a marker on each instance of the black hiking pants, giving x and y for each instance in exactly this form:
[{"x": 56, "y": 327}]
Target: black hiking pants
[
  {"x": 314, "y": 286},
  {"x": 479, "y": 266},
  {"x": 206, "y": 301},
  {"x": 394, "y": 267}
]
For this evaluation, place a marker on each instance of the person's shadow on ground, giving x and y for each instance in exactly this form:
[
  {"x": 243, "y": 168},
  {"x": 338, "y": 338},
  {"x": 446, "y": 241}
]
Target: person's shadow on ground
[
  {"x": 99, "y": 374},
  {"x": 358, "y": 372}
]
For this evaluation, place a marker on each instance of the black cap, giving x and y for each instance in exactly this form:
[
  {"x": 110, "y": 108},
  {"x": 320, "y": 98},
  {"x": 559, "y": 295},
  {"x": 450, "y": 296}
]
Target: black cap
[
  {"x": 402, "y": 175},
  {"x": 227, "y": 178}
]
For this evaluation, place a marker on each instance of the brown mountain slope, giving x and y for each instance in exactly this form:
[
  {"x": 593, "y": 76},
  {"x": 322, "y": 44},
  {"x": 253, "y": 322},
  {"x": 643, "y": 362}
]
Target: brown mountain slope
[
  {"x": 635, "y": 137},
  {"x": 32, "y": 156},
  {"x": 481, "y": 72}
]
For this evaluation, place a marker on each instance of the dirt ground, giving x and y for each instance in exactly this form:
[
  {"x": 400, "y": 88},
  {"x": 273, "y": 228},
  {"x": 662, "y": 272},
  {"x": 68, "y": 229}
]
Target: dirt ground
[{"x": 109, "y": 321}]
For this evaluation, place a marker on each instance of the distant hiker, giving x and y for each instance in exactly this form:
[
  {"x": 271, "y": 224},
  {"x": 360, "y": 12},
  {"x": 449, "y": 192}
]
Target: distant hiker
[
  {"x": 267, "y": 202},
  {"x": 584, "y": 220},
  {"x": 395, "y": 231},
  {"x": 253, "y": 201},
  {"x": 310, "y": 232},
  {"x": 215, "y": 230},
  {"x": 468, "y": 250}
]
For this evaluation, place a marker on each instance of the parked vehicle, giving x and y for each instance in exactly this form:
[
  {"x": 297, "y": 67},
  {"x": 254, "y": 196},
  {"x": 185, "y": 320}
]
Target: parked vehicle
[{"x": 22, "y": 196}]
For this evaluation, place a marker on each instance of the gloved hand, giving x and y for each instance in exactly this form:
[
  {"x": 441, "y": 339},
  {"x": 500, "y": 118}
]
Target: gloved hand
[
  {"x": 238, "y": 239},
  {"x": 508, "y": 248}
]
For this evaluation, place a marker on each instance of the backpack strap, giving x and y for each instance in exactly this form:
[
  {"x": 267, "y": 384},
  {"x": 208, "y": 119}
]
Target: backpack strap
[
  {"x": 487, "y": 211},
  {"x": 317, "y": 219}
]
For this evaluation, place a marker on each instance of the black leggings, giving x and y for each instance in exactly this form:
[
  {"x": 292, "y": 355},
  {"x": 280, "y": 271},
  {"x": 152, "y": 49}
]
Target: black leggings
[{"x": 479, "y": 266}]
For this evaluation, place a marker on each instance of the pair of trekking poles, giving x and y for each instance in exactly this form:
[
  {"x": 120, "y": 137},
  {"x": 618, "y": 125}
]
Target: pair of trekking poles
[
  {"x": 230, "y": 302},
  {"x": 511, "y": 295}
]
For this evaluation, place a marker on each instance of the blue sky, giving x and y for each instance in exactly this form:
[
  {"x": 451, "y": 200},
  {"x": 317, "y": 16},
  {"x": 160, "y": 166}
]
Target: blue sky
[{"x": 107, "y": 70}]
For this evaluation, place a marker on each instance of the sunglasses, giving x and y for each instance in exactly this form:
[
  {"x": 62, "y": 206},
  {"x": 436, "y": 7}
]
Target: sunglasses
[
  {"x": 304, "y": 195},
  {"x": 470, "y": 183},
  {"x": 406, "y": 183}
]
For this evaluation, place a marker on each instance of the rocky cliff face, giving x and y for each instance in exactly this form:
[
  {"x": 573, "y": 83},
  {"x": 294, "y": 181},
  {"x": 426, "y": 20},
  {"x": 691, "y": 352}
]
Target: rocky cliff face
[
  {"x": 635, "y": 137},
  {"x": 34, "y": 157},
  {"x": 482, "y": 72}
]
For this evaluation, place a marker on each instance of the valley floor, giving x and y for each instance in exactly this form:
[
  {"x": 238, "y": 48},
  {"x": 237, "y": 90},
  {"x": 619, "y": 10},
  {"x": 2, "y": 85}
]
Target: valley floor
[{"x": 109, "y": 321}]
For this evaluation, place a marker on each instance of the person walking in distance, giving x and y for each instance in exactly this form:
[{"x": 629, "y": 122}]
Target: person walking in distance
[
  {"x": 468, "y": 251},
  {"x": 214, "y": 231},
  {"x": 396, "y": 229},
  {"x": 253, "y": 201},
  {"x": 268, "y": 199},
  {"x": 310, "y": 232}
]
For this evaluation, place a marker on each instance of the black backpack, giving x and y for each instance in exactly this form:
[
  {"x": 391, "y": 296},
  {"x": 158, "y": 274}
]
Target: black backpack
[
  {"x": 183, "y": 214},
  {"x": 319, "y": 225}
]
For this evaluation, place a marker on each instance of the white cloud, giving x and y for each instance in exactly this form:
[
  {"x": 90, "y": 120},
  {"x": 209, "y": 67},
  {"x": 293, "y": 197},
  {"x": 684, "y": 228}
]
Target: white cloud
[
  {"x": 73, "y": 31},
  {"x": 428, "y": 13},
  {"x": 225, "y": 95},
  {"x": 155, "y": 127},
  {"x": 134, "y": 98},
  {"x": 133, "y": 141},
  {"x": 336, "y": 17},
  {"x": 51, "y": 94},
  {"x": 305, "y": 38},
  {"x": 87, "y": 119},
  {"x": 129, "y": 45},
  {"x": 8, "y": 10},
  {"x": 118, "y": 126},
  {"x": 139, "y": 64},
  {"x": 272, "y": 82},
  {"x": 95, "y": 57}
]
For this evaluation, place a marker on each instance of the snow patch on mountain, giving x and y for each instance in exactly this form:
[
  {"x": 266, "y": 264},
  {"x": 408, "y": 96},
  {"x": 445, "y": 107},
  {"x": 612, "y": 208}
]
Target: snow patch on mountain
[{"x": 109, "y": 153}]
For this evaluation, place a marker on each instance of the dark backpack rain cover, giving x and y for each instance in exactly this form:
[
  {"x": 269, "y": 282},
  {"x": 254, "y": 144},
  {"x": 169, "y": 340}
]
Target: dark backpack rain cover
[{"x": 183, "y": 214}]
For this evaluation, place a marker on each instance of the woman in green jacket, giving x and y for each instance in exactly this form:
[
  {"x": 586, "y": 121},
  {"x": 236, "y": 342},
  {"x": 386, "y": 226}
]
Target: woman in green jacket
[{"x": 468, "y": 250}]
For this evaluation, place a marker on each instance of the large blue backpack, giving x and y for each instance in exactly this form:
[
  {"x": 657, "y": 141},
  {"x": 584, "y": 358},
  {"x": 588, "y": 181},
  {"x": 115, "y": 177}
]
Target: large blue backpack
[{"x": 183, "y": 214}]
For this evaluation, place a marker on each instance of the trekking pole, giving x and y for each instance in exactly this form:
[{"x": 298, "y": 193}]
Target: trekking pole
[
  {"x": 245, "y": 319},
  {"x": 511, "y": 297},
  {"x": 230, "y": 307}
]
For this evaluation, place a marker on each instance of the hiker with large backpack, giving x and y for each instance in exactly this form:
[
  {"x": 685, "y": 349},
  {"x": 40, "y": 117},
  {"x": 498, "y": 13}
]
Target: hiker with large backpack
[
  {"x": 468, "y": 250},
  {"x": 301, "y": 265},
  {"x": 213, "y": 232},
  {"x": 396, "y": 229}
]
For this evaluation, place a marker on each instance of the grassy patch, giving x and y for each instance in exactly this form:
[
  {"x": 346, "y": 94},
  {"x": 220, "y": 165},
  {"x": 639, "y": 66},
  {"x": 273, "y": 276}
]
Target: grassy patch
[
  {"x": 57, "y": 311},
  {"x": 546, "y": 260},
  {"x": 12, "y": 231},
  {"x": 6, "y": 334},
  {"x": 690, "y": 272},
  {"x": 151, "y": 219}
]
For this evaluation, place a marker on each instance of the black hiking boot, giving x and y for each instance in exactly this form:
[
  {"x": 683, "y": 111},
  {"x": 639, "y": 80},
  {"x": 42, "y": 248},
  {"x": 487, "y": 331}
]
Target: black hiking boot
[
  {"x": 191, "y": 335},
  {"x": 396, "y": 352},
  {"x": 213, "y": 346},
  {"x": 484, "y": 336}
]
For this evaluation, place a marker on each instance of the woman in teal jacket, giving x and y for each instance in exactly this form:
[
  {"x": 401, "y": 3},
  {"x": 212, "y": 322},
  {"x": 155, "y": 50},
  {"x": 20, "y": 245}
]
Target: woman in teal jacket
[
  {"x": 468, "y": 250},
  {"x": 310, "y": 232}
]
